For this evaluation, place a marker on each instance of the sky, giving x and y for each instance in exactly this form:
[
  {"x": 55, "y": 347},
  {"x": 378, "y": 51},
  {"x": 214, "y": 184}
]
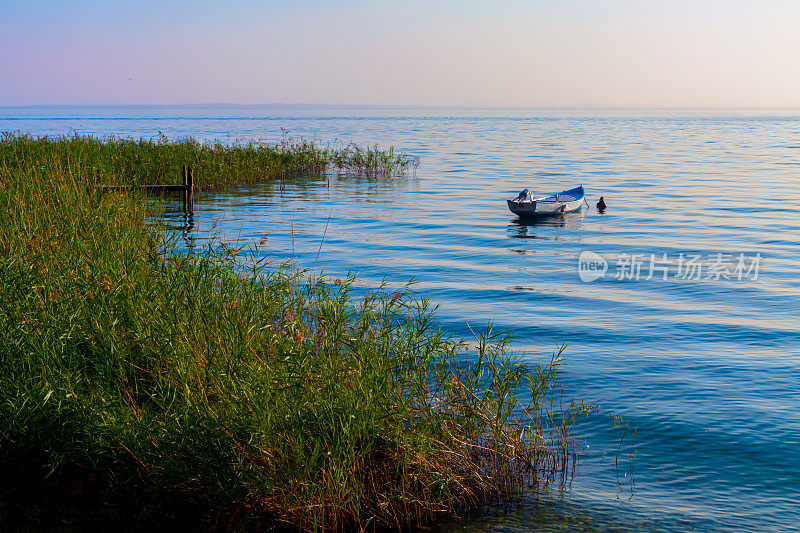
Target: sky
[{"x": 615, "y": 53}]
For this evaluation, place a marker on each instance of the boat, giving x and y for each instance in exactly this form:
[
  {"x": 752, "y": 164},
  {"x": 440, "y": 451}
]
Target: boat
[{"x": 524, "y": 205}]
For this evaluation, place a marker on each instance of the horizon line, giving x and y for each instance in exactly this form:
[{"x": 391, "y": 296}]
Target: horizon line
[{"x": 424, "y": 106}]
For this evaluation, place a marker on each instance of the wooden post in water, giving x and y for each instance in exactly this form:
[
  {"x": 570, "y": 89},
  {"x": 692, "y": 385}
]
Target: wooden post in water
[
  {"x": 190, "y": 189},
  {"x": 183, "y": 182}
]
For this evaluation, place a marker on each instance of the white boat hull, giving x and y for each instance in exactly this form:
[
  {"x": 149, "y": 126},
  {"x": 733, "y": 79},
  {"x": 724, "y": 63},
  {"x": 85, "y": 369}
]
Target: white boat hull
[{"x": 564, "y": 202}]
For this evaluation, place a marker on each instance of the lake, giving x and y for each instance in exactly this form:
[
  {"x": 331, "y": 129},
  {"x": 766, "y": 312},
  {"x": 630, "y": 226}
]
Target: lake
[{"x": 680, "y": 305}]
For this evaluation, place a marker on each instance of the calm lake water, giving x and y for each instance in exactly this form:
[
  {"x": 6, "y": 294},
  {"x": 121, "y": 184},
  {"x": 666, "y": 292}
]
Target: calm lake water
[{"x": 705, "y": 363}]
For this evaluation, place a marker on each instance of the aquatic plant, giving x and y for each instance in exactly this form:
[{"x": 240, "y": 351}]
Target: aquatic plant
[
  {"x": 124, "y": 161},
  {"x": 144, "y": 384}
]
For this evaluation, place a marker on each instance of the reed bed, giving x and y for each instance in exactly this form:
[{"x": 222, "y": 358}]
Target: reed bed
[
  {"x": 125, "y": 161},
  {"x": 142, "y": 385}
]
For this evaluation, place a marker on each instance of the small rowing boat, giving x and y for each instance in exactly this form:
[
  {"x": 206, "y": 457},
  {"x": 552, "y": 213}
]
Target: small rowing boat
[{"x": 525, "y": 205}]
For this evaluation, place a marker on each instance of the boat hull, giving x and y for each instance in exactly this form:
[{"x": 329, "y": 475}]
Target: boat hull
[{"x": 567, "y": 201}]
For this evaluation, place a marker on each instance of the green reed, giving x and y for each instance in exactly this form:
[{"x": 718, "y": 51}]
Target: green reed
[
  {"x": 203, "y": 387},
  {"x": 124, "y": 161}
]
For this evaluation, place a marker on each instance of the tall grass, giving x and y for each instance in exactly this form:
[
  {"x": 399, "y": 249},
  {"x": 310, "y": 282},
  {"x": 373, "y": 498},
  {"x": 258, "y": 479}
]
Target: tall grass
[
  {"x": 123, "y": 161},
  {"x": 150, "y": 385}
]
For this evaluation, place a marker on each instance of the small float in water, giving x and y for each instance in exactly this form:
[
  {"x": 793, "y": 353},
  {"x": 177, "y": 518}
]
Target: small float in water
[{"x": 525, "y": 205}]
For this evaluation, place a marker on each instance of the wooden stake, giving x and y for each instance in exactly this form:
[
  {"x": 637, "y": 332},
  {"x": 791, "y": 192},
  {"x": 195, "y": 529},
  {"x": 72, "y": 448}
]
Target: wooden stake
[
  {"x": 190, "y": 190},
  {"x": 185, "y": 193}
]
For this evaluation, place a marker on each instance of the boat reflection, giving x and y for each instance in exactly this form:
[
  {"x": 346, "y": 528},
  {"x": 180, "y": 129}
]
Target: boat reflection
[{"x": 524, "y": 228}]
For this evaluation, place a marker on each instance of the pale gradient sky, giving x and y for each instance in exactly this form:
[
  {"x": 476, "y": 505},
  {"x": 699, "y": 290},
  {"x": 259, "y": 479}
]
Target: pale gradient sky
[{"x": 628, "y": 53}]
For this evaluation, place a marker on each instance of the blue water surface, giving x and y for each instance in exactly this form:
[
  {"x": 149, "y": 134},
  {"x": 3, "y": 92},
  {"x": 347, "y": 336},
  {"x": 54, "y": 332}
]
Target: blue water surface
[{"x": 705, "y": 364}]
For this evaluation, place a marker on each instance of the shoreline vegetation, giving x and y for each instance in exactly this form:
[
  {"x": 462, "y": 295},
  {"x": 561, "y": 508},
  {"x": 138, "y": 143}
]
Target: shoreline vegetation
[
  {"x": 145, "y": 385},
  {"x": 217, "y": 166}
]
